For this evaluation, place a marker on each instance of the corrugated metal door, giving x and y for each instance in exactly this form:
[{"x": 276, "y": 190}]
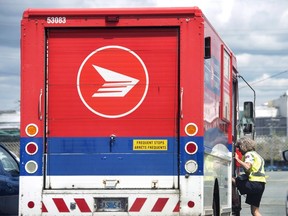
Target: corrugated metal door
[{"x": 112, "y": 108}]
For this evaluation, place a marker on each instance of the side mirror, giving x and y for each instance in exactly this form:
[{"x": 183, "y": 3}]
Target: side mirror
[
  {"x": 285, "y": 155},
  {"x": 248, "y": 128},
  {"x": 248, "y": 109}
]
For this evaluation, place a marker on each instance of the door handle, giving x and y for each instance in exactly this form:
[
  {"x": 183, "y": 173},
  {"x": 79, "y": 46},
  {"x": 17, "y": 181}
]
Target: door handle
[
  {"x": 112, "y": 141},
  {"x": 40, "y": 116}
]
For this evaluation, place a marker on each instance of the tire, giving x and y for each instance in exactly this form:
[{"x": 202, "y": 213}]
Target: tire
[{"x": 216, "y": 200}]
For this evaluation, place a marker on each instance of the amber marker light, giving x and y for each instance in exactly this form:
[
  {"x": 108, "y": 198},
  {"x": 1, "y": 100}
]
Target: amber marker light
[
  {"x": 191, "y": 129},
  {"x": 31, "y": 130}
]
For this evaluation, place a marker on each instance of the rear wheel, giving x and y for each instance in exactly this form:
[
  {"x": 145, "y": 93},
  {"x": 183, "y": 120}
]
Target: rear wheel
[{"x": 216, "y": 200}]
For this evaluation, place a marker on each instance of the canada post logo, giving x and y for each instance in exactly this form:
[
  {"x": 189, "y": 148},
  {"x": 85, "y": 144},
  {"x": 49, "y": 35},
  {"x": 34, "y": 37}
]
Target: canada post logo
[{"x": 112, "y": 81}]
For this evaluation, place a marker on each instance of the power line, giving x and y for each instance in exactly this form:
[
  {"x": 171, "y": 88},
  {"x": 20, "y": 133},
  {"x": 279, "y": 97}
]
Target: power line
[{"x": 258, "y": 81}]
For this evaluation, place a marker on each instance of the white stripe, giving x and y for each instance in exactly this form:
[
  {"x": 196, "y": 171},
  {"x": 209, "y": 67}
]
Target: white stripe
[{"x": 133, "y": 182}]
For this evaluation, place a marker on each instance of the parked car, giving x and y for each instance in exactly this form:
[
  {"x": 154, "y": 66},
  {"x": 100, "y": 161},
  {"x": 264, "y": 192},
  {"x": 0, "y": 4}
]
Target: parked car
[
  {"x": 271, "y": 168},
  {"x": 9, "y": 182},
  {"x": 285, "y": 155}
]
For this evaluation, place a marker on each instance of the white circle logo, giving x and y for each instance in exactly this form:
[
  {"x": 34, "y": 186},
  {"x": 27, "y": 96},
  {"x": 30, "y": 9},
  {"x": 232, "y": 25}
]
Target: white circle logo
[{"x": 112, "y": 81}]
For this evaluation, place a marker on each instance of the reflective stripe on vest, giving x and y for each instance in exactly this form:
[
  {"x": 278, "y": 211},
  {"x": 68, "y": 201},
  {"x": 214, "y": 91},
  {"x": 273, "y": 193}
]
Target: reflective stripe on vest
[{"x": 259, "y": 172}]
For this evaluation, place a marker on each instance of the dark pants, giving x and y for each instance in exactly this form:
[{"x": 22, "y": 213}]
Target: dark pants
[{"x": 254, "y": 191}]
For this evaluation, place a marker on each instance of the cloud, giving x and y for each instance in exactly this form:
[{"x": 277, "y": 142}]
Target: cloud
[
  {"x": 265, "y": 73},
  {"x": 256, "y": 31},
  {"x": 11, "y": 14}
]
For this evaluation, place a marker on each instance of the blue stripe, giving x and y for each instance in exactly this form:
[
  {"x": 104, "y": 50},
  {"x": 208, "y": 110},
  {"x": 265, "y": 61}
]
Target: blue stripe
[
  {"x": 93, "y": 156},
  {"x": 96, "y": 156},
  {"x": 102, "y": 145},
  {"x": 112, "y": 164}
]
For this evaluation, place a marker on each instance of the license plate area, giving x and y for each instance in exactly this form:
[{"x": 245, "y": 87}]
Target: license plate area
[{"x": 111, "y": 204}]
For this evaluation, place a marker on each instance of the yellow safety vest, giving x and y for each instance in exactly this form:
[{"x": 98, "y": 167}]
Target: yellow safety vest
[{"x": 256, "y": 172}]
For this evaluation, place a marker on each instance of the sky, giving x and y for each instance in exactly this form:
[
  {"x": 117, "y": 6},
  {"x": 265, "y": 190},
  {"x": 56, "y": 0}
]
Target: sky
[{"x": 256, "y": 31}]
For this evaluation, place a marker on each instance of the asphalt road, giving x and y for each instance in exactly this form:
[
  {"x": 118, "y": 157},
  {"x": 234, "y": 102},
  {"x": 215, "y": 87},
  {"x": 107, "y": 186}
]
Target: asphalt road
[{"x": 274, "y": 197}]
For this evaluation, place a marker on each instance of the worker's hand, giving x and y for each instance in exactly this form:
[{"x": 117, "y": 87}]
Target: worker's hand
[{"x": 236, "y": 156}]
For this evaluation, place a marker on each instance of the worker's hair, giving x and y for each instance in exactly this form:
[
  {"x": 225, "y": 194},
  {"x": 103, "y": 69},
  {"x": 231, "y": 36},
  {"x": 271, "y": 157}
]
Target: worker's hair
[{"x": 246, "y": 144}]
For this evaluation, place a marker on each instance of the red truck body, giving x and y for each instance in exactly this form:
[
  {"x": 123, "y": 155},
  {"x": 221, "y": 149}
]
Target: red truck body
[{"x": 125, "y": 110}]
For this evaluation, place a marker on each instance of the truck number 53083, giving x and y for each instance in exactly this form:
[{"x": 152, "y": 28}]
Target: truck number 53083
[{"x": 52, "y": 20}]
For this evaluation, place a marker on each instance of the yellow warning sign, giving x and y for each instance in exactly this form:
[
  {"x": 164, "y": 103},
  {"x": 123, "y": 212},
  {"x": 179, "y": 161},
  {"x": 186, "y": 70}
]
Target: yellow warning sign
[{"x": 150, "y": 145}]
